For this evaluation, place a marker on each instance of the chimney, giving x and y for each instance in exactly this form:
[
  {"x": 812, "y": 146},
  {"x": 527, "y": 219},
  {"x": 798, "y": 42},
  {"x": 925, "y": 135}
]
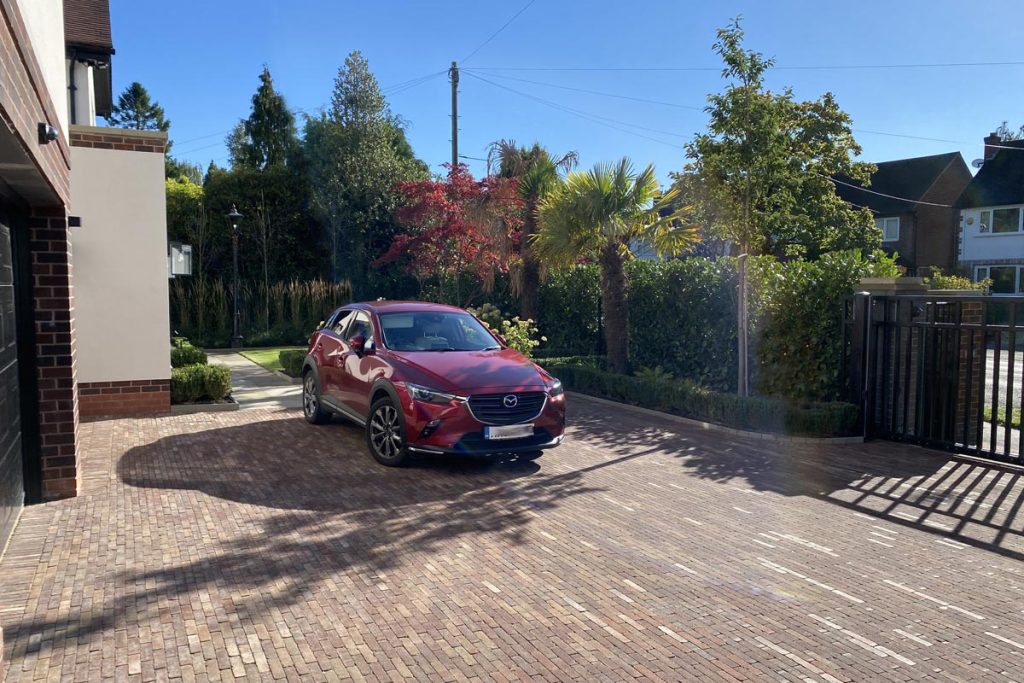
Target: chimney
[{"x": 991, "y": 145}]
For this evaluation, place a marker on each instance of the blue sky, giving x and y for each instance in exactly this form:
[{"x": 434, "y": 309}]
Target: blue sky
[{"x": 201, "y": 61}]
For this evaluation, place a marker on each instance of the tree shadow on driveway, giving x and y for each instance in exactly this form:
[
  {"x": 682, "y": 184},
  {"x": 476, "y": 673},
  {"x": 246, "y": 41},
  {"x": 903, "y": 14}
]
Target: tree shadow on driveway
[{"x": 266, "y": 514}]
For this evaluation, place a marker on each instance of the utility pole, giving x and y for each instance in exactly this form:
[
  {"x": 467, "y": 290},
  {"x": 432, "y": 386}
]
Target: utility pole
[{"x": 453, "y": 76}]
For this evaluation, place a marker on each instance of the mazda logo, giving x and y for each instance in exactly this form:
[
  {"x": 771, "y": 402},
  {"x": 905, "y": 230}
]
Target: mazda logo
[{"x": 510, "y": 401}]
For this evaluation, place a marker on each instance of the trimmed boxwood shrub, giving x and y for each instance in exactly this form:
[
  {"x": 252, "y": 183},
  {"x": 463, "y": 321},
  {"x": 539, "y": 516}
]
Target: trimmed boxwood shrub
[
  {"x": 200, "y": 382},
  {"x": 685, "y": 398},
  {"x": 291, "y": 361},
  {"x": 186, "y": 354}
]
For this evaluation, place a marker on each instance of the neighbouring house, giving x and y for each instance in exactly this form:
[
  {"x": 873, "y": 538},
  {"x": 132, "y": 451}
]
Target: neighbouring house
[
  {"x": 991, "y": 244},
  {"x": 913, "y": 202},
  {"x": 83, "y": 251}
]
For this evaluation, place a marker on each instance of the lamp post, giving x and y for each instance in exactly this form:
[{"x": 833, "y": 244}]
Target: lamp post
[{"x": 234, "y": 217}]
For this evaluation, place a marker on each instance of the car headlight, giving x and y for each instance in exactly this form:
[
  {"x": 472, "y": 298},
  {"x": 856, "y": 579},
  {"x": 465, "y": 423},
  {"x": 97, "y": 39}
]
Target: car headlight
[
  {"x": 556, "y": 389},
  {"x": 431, "y": 395}
]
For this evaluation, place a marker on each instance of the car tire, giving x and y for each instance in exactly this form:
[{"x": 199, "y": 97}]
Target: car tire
[
  {"x": 312, "y": 408},
  {"x": 529, "y": 456},
  {"x": 385, "y": 433}
]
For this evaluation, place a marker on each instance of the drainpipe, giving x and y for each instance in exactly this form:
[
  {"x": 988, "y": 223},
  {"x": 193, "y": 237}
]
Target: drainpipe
[{"x": 71, "y": 85}]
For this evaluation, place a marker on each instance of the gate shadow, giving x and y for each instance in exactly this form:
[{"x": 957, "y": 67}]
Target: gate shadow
[{"x": 975, "y": 503}]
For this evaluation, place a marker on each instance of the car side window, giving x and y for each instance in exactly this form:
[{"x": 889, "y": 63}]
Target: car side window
[
  {"x": 359, "y": 327},
  {"x": 338, "y": 324}
]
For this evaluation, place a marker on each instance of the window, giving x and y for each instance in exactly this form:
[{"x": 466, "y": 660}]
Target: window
[
  {"x": 430, "y": 331},
  {"x": 360, "y": 327},
  {"x": 985, "y": 224},
  {"x": 1006, "y": 220},
  {"x": 890, "y": 228},
  {"x": 1005, "y": 279},
  {"x": 338, "y": 324}
]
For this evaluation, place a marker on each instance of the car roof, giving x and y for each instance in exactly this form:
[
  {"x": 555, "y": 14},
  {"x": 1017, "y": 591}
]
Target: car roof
[{"x": 403, "y": 307}]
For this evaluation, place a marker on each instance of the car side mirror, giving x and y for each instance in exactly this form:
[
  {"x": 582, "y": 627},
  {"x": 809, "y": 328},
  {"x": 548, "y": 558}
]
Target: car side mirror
[{"x": 361, "y": 345}]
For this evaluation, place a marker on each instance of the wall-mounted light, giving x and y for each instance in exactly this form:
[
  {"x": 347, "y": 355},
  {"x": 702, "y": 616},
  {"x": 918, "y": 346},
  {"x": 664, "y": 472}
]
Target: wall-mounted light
[{"x": 47, "y": 133}]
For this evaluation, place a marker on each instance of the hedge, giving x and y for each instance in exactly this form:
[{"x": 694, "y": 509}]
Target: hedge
[
  {"x": 681, "y": 397},
  {"x": 200, "y": 383},
  {"x": 183, "y": 353},
  {"x": 682, "y": 319},
  {"x": 291, "y": 361}
]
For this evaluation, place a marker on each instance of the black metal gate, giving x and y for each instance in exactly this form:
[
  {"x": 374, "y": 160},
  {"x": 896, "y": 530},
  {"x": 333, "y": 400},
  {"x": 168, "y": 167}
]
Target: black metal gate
[{"x": 942, "y": 371}]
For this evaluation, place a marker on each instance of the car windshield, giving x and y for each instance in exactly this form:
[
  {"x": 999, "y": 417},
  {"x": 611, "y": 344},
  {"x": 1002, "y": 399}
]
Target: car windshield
[{"x": 435, "y": 331}]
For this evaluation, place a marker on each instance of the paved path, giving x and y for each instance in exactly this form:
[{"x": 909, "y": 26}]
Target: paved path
[
  {"x": 253, "y": 545},
  {"x": 254, "y": 387}
]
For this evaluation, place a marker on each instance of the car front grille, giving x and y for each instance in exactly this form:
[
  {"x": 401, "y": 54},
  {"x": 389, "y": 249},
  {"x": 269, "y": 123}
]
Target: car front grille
[{"x": 492, "y": 409}]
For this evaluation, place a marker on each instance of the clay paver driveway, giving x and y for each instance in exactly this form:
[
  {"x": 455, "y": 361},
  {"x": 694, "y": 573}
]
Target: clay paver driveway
[{"x": 253, "y": 545}]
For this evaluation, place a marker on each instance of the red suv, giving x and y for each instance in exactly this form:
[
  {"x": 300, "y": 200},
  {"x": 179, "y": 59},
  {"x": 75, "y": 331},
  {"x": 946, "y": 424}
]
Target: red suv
[{"x": 428, "y": 378}]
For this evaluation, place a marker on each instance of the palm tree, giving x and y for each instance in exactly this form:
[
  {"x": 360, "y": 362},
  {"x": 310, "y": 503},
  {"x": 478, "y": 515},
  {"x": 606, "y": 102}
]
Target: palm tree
[
  {"x": 538, "y": 172},
  {"x": 596, "y": 215}
]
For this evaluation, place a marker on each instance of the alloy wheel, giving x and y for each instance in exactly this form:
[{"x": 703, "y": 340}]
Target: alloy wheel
[
  {"x": 309, "y": 400},
  {"x": 386, "y": 432}
]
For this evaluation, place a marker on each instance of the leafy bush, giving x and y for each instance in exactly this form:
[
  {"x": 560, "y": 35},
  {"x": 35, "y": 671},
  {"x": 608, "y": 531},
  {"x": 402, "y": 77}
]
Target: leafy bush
[
  {"x": 192, "y": 383},
  {"x": 519, "y": 334},
  {"x": 291, "y": 361},
  {"x": 938, "y": 280},
  {"x": 683, "y": 319},
  {"x": 186, "y": 354},
  {"x": 597, "y": 362},
  {"x": 569, "y": 311},
  {"x": 685, "y": 398},
  {"x": 797, "y": 316}
]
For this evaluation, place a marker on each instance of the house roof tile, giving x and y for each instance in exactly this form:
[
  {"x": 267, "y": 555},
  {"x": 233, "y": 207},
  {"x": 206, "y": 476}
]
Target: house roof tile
[
  {"x": 1000, "y": 180},
  {"x": 906, "y": 178},
  {"x": 87, "y": 24}
]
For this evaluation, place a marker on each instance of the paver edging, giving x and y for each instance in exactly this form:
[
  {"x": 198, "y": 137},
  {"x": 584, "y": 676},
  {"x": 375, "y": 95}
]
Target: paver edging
[
  {"x": 713, "y": 427},
  {"x": 192, "y": 408}
]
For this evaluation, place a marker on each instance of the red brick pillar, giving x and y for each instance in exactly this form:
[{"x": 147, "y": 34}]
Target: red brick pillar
[{"x": 55, "y": 351}]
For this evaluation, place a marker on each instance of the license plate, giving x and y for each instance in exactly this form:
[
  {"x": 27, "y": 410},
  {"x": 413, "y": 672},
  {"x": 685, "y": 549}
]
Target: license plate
[{"x": 508, "y": 432}]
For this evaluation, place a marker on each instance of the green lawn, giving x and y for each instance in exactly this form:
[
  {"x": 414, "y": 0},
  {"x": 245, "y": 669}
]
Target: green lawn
[
  {"x": 1001, "y": 420},
  {"x": 268, "y": 358}
]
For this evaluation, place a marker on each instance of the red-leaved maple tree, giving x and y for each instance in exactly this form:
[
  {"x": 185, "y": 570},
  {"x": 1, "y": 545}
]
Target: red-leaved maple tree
[{"x": 457, "y": 226}]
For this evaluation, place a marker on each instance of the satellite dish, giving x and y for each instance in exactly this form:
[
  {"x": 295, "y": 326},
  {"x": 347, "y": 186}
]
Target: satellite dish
[{"x": 978, "y": 163}]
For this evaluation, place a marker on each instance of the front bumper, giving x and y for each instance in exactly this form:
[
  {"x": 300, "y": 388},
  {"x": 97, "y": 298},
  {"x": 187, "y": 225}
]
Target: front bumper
[{"x": 475, "y": 444}]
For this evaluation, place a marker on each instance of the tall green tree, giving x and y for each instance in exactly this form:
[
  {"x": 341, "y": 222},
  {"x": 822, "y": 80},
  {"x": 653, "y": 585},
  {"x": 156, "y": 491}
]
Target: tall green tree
[
  {"x": 268, "y": 136},
  {"x": 358, "y": 155},
  {"x": 596, "y": 215},
  {"x": 538, "y": 172},
  {"x": 764, "y": 171},
  {"x": 135, "y": 109}
]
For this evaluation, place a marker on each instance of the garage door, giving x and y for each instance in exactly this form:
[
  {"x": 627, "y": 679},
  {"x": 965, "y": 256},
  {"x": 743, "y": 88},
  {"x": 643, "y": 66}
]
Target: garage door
[{"x": 12, "y": 491}]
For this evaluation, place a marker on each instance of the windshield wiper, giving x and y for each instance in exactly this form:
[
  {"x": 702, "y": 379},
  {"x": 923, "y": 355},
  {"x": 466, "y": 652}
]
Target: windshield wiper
[{"x": 491, "y": 348}]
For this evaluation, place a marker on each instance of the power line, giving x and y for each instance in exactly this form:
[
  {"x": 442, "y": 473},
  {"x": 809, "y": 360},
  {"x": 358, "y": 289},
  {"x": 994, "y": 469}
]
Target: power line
[
  {"x": 882, "y": 194},
  {"x": 411, "y": 83},
  {"x": 803, "y": 67},
  {"x": 503, "y": 27},
  {"x": 584, "y": 115},
  {"x": 595, "y": 92}
]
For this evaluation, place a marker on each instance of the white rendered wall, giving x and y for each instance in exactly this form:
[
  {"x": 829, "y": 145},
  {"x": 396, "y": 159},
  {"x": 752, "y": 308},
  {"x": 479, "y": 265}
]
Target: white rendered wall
[
  {"x": 119, "y": 261},
  {"x": 44, "y": 21},
  {"x": 979, "y": 246}
]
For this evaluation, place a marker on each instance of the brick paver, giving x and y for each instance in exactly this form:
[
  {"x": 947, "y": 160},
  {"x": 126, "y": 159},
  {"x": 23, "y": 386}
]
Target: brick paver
[{"x": 253, "y": 545}]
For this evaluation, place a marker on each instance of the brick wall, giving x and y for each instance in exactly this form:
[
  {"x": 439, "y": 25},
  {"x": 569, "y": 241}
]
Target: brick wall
[
  {"x": 118, "y": 138},
  {"x": 55, "y": 351},
  {"x": 116, "y": 399},
  {"x": 25, "y": 102}
]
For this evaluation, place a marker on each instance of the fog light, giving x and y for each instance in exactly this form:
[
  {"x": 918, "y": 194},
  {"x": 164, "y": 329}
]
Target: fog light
[{"x": 430, "y": 428}]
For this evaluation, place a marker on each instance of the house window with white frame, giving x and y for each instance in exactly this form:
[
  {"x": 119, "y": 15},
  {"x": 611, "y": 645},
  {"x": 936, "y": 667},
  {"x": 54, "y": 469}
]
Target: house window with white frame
[
  {"x": 890, "y": 228},
  {"x": 1005, "y": 279},
  {"x": 1002, "y": 220}
]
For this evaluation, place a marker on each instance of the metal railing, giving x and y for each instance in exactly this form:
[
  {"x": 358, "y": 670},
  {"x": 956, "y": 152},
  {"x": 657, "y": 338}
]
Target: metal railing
[{"x": 942, "y": 371}]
